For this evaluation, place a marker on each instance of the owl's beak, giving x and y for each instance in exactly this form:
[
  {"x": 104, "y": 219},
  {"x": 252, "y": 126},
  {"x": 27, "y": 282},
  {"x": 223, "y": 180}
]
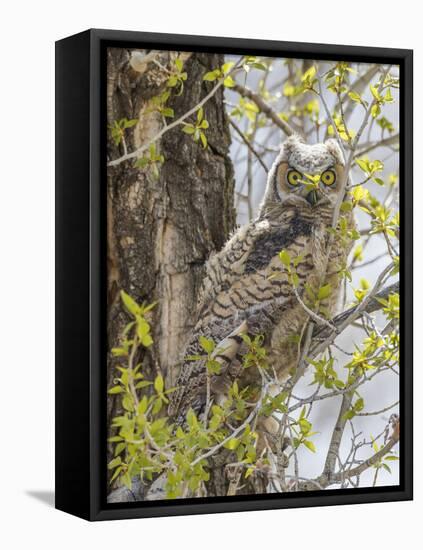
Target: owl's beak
[{"x": 313, "y": 197}]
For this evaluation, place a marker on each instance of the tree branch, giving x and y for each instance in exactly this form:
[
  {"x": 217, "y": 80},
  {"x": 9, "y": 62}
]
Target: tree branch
[
  {"x": 372, "y": 306},
  {"x": 180, "y": 120},
  {"x": 367, "y": 147},
  {"x": 359, "y": 86},
  {"x": 366, "y": 306},
  {"x": 338, "y": 432},
  {"x": 340, "y": 477},
  {"x": 248, "y": 143},
  {"x": 264, "y": 108}
]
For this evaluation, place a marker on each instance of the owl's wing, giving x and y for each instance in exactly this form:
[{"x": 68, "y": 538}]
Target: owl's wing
[
  {"x": 226, "y": 266},
  {"x": 250, "y": 248},
  {"x": 245, "y": 290}
]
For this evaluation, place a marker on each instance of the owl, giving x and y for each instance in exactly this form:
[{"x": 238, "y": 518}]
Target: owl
[{"x": 247, "y": 289}]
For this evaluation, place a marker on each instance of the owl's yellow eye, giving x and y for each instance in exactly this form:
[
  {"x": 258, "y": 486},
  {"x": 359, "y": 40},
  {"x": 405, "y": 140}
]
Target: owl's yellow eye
[
  {"x": 328, "y": 177},
  {"x": 294, "y": 177}
]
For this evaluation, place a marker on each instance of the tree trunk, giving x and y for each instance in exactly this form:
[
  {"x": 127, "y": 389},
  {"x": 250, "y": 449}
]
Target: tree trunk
[{"x": 161, "y": 231}]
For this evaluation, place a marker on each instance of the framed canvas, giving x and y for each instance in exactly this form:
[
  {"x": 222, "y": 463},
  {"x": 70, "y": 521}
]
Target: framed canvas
[{"x": 228, "y": 274}]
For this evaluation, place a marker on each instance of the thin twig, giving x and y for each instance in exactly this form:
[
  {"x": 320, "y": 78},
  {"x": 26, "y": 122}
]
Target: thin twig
[
  {"x": 319, "y": 320},
  {"x": 248, "y": 144},
  {"x": 367, "y": 147},
  {"x": 180, "y": 120},
  {"x": 330, "y": 117},
  {"x": 238, "y": 430},
  {"x": 374, "y": 413},
  {"x": 264, "y": 108}
]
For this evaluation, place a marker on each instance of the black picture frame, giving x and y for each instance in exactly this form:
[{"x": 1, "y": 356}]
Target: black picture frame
[{"x": 81, "y": 273}]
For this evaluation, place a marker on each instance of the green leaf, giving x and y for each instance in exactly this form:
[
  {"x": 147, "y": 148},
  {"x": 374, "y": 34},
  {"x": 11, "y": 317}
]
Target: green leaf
[
  {"x": 358, "y": 253},
  {"x": 232, "y": 444},
  {"x": 355, "y": 97},
  {"x": 324, "y": 292},
  {"x": 115, "y": 462},
  {"x": 146, "y": 309},
  {"x": 388, "y": 96},
  {"x": 179, "y": 64},
  {"x": 346, "y": 206},
  {"x": 259, "y": 66},
  {"x": 248, "y": 472},
  {"x": 129, "y": 303},
  {"x": 188, "y": 129},
  {"x": 142, "y": 384},
  {"x": 203, "y": 140},
  {"x": 226, "y": 67},
  {"x": 375, "y": 110},
  {"x": 180, "y": 433},
  {"x": 310, "y": 445},
  {"x": 207, "y": 344},
  {"x": 116, "y": 473},
  {"x": 285, "y": 258},
  {"x": 359, "y": 404},
  {"x": 172, "y": 81},
  {"x": 309, "y": 74},
  {"x": 146, "y": 340},
  {"x": 141, "y": 162},
  {"x": 159, "y": 384},
  {"x": 127, "y": 403},
  {"x": 143, "y": 327},
  {"x": 192, "y": 419},
  {"x": 129, "y": 123},
  {"x": 349, "y": 415},
  {"x": 126, "y": 478},
  {"x": 119, "y": 448},
  {"x": 364, "y": 165},
  {"x": 168, "y": 112},
  {"x": 375, "y": 93},
  {"x": 114, "y": 439},
  {"x": 229, "y": 82},
  {"x": 211, "y": 76},
  {"x": 142, "y": 405},
  {"x": 119, "y": 352},
  {"x": 305, "y": 425},
  {"x": 115, "y": 389}
]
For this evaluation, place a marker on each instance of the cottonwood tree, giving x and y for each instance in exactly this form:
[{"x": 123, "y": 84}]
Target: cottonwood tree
[
  {"x": 172, "y": 207},
  {"x": 171, "y": 203}
]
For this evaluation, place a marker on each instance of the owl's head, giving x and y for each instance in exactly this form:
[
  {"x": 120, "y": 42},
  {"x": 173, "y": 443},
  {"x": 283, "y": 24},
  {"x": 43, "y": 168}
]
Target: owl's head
[{"x": 308, "y": 177}]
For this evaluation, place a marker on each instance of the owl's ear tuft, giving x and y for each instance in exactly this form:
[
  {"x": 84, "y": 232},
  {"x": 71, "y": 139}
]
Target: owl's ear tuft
[
  {"x": 334, "y": 149},
  {"x": 290, "y": 144}
]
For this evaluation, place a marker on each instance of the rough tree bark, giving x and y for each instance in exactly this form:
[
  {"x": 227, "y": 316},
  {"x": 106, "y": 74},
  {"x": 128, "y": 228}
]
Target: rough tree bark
[{"x": 161, "y": 231}]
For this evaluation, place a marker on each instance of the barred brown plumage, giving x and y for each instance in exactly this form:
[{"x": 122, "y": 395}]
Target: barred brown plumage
[{"x": 246, "y": 287}]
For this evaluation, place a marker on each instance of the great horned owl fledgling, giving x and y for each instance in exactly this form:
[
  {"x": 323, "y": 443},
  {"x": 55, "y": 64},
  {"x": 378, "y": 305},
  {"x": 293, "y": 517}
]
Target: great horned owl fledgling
[{"x": 246, "y": 288}]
